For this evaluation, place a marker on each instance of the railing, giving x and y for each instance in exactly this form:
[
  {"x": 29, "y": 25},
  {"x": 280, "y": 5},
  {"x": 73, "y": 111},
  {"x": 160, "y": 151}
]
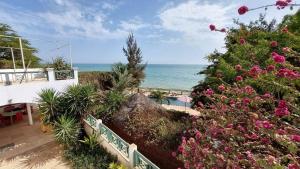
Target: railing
[
  {"x": 141, "y": 162},
  {"x": 9, "y": 77},
  {"x": 64, "y": 74},
  {"x": 115, "y": 140},
  {"x": 135, "y": 158},
  {"x": 92, "y": 121}
]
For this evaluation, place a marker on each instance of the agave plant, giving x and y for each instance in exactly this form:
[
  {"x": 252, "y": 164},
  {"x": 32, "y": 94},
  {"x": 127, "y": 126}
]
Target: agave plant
[
  {"x": 122, "y": 79},
  {"x": 48, "y": 105},
  {"x": 78, "y": 100},
  {"x": 66, "y": 130}
]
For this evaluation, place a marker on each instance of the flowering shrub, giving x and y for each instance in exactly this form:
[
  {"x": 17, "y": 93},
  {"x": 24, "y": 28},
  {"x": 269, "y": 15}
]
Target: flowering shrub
[
  {"x": 240, "y": 128},
  {"x": 249, "y": 101}
]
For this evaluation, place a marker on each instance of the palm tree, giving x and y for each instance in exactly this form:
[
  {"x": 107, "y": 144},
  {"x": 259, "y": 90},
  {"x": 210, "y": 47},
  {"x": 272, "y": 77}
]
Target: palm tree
[
  {"x": 48, "y": 105},
  {"x": 159, "y": 96},
  {"x": 122, "y": 79}
]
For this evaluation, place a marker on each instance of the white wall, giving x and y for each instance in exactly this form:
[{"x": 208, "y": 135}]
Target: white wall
[{"x": 28, "y": 92}]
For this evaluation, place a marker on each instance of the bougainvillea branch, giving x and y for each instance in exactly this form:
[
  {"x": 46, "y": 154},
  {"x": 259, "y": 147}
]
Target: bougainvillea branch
[{"x": 280, "y": 4}]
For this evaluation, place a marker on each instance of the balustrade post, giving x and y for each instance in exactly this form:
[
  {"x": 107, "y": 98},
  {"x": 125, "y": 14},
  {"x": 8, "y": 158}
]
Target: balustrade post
[
  {"x": 132, "y": 148},
  {"x": 51, "y": 74},
  {"x": 98, "y": 123}
]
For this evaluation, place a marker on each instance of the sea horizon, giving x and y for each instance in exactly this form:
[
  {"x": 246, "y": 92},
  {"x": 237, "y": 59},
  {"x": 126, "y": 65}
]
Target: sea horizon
[{"x": 166, "y": 76}]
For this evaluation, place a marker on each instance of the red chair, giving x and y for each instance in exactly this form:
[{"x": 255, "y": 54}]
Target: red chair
[{"x": 19, "y": 116}]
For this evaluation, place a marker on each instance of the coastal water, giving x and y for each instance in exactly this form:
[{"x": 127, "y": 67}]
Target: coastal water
[{"x": 160, "y": 75}]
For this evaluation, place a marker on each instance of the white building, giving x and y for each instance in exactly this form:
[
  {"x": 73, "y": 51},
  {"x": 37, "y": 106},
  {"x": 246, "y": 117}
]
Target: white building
[{"x": 17, "y": 86}]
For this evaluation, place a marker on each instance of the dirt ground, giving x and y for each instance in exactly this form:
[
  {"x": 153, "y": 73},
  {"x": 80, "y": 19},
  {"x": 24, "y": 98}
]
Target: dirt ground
[{"x": 48, "y": 156}]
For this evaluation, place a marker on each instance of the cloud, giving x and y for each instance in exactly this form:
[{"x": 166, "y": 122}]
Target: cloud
[
  {"x": 133, "y": 24},
  {"x": 191, "y": 18},
  {"x": 69, "y": 19}
]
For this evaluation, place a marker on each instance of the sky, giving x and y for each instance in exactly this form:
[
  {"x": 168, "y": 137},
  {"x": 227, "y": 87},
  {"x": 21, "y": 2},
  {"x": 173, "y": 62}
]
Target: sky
[{"x": 168, "y": 32}]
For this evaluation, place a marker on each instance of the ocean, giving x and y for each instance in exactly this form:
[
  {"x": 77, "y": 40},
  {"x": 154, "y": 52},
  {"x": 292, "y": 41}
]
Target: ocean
[{"x": 165, "y": 76}]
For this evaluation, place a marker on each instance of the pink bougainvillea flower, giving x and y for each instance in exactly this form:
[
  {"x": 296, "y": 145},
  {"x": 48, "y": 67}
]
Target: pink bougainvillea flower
[
  {"x": 281, "y": 131},
  {"x": 295, "y": 138},
  {"x": 246, "y": 101},
  {"x": 242, "y": 41},
  {"x": 221, "y": 87},
  {"x": 174, "y": 154},
  {"x": 293, "y": 166},
  {"x": 286, "y": 49},
  {"x": 198, "y": 135},
  {"x": 278, "y": 58},
  {"x": 212, "y": 27},
  {"x": 258, "y": 123},
  {"x": 249, "y": 90},
  {"x": 271, "y": 160},
  {"x": 281, "y": 4},
  {"x": 209, "y": 92},
  {"x": 285, "y": 30},
  {"x": 265, "y": 140},
  {"x": 267, "y": 125},
  {"x": 270, "y": 68},
  {"x": 255, "y": 71},
  {"x": 267, "y": 95},
  {"x": 239, "y": 78},
  {"x": 282, "y": 109},
  {"x": 227, "y": 149},
  {"x": 187, "y": 165},
  {"x": 287, "y": 73},
  {"x": 223, "y": 30},
  {"x": 243, "y": 9},
  {"x": 274, "y": 44},
  {"x": 238, "y": 67}
]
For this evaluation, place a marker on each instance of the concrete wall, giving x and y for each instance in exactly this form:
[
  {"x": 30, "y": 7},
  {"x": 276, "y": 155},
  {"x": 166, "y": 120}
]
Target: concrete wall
[{"x": 28, "y": 92}]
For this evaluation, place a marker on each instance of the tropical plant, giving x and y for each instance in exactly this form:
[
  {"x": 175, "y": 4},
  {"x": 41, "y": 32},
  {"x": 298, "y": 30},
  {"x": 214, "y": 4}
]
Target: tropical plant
[
  {"x": 112, "y": 102},
  {"x": 59, "y": 63},
  {"x": 66, "y": 130},
  {"x": 122, "y": 79},
  {"x": 159, "y": 96},
  {"x": 6, "y": 55},
  {"x": 48, "y": 105},
  {"x": 78, "y": 100},
  {"x": 91, "y": 141},
  {"x": 116, "y": 166},
  {"x": 134, "y": 57},
  {"x": 82, "y": 156}
]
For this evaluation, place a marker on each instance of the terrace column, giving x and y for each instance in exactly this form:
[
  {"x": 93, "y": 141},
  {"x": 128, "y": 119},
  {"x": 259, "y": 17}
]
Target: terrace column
[
  {"x": 132, "y": 148},
  {"x": 30, "y": 120},
  {"x": 75, "y": 69},
  {"x": 51, "y": 75}
]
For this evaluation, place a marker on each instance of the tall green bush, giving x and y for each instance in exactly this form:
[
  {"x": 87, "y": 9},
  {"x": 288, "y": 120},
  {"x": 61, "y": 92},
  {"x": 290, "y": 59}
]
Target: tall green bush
[{"x": 249, "y": 48}]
